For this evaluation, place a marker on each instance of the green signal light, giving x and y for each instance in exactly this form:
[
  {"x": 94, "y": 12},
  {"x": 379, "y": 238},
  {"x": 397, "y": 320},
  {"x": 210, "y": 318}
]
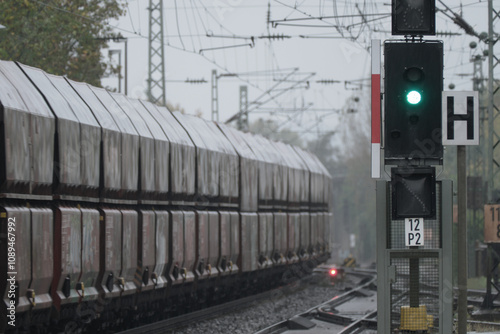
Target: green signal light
[{"x": 413, "y": 97}]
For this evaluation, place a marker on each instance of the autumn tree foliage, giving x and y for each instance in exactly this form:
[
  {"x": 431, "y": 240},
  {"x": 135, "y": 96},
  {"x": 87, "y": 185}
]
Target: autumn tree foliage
[{"x": 61, "y": 37}]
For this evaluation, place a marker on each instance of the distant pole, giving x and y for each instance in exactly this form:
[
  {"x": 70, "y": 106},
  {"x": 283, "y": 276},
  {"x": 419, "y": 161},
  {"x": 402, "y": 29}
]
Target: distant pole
[
  {"x": 480, "y": 158},
  {"x": 243, "y": 116},
  {"x": 215, "y": 97},
  {"x": 119, "y": 52},
  {"x": 462, "y": 239},
  {"x": 120, "y": 74},
  {"x": 126, "y": 66}
]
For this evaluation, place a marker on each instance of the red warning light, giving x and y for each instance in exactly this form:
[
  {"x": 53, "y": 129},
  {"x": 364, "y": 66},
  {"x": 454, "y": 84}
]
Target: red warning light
[{"x": 333, "y": 272}]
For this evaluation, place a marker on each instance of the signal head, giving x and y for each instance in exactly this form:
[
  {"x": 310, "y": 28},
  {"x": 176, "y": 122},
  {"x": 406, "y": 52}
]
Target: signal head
[
  {"x": 413, "y": 97},
  {"x": 413, "y": 86},
  {"x": 413, "y": 17}
]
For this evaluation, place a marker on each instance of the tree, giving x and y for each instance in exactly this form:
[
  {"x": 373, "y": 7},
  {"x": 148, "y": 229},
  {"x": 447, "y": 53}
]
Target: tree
[
  {"x": 271, "y": 130},
  {"x": 59, "y": 36},
  {"x": 345, "y": 152},
  {"x": 322, "y": 147},
  {"x": 176, "y": 107}
]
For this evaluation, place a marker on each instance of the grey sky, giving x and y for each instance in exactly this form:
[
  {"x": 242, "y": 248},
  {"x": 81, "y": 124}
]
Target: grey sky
[{"x": 187, "y": 22}]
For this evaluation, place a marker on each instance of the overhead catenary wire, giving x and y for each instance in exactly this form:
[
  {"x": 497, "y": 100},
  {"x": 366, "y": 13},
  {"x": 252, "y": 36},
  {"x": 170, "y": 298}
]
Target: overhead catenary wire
[{"x": 206, "y": 19}]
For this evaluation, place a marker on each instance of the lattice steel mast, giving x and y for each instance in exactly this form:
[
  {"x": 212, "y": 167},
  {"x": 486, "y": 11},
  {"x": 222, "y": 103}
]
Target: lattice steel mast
[
  {"x": 156, "y": 59},
  {"x": 493, "y": 110},
  {"x": 243, "y": 115}
]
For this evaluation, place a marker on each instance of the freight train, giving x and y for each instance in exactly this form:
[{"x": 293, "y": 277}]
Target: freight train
[{"x": 115, "y": 211}]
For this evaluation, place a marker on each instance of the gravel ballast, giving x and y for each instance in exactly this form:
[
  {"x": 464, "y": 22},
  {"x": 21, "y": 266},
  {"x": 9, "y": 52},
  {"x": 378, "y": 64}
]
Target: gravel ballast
[{"x": 280, "y": 306}]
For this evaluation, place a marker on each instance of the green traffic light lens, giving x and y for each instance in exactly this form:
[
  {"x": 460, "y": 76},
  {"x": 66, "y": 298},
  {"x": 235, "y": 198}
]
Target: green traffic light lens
[{"x": 413, "y": 97}]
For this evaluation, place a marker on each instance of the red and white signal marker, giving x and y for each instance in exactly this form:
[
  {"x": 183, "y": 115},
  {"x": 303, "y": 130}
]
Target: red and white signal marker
[{"x": 376, "y": 142}]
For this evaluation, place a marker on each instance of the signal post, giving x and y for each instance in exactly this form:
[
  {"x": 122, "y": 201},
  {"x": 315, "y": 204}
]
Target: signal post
[{"x": 414, "y": 206}]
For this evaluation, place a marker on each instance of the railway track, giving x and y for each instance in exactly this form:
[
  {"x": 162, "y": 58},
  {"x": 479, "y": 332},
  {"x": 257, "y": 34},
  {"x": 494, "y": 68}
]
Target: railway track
[
  {"x": 481, "y": 325},
  {"x": 349, "y": 312},
  {"x": 354, "y": 310},
  {"x": 185, "y": 320}
]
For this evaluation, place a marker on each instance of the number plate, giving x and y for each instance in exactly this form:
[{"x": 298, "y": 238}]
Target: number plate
[
  {"x": 414, "y": 231},
  {"x": 492, "y": 223}
]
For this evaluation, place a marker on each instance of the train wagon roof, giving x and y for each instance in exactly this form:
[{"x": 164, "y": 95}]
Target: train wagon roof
[
  {"x": 255, "y": 147},
  {"x": 268, "y": 150},
  {"x": 173, "y": 130},
  {"x": 9, "y": 96},
  {"x": 131, "y": 113},
  {"x": 100, "y": 112},
  {"x": 119, "y": 115},
  {"x": 32, "y": 99},
  {"x": 220, "y": 139},
  {"x": 297, "y": 156},
  {"x": 200, "y": 133},
  {"x": 150, "y": 121},
  {"x": 81, "y": 110},
  {"x": 57, "y": 103},
  {"x": 312, "y": 162},
  {"x": 290, "y": 157},
  {"x": 237, "y": 139}
]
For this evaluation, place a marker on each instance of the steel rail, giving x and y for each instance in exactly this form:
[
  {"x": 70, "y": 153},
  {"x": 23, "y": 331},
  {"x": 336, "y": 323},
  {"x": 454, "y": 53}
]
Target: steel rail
[
  {"x": 211, "y": 312},
  {"x": 319, "y": 312}
]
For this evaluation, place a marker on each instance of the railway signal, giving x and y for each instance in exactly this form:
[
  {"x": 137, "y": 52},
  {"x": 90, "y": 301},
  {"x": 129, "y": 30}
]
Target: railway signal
[
  {"x": 413, "y": 17},
  {"x": 413, "y": 193},
  {"x": 336, "y": 274},
  {"x": 413, "y": 86},
  {"x": 414, "y": 208}
]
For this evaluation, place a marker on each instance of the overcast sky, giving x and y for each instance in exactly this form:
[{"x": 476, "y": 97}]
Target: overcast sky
[{"x": 342, "y": 53}]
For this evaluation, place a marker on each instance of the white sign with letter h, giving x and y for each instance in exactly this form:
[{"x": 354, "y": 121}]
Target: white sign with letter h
[{"x": 460, "y": 116}]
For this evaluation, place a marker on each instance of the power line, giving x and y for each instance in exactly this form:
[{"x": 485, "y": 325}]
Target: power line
[
  {"x": 327, "y": 17},
  {"x": 459, "y": 20}
]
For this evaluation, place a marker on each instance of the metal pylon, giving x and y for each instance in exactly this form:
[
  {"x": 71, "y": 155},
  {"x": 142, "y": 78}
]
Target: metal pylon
[
  {"x": 243, "y": 114},
  {"x": 156, "y": 63},
  {"x": 476, "y": 155},
  {"x": 493, "y": 149},
  {"x": 493, "y": 110},
  {"x": 215, "y": 97}
]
